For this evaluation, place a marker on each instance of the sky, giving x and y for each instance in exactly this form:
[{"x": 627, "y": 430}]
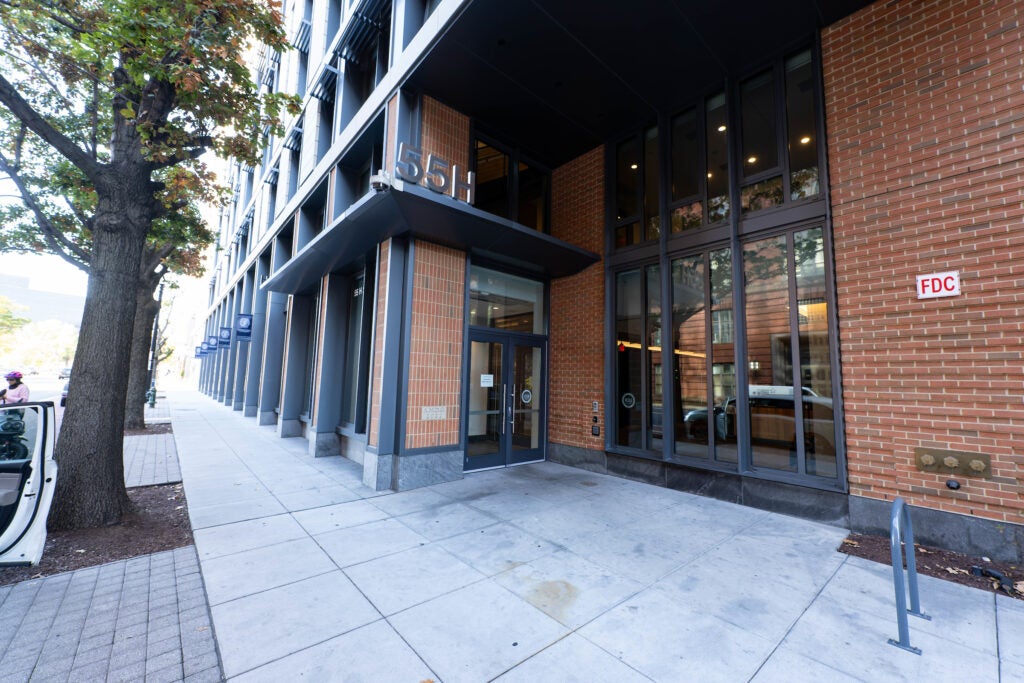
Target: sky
[{"x": 45, "y": 272}]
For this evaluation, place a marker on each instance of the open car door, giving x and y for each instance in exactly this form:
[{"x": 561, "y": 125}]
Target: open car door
[{"x": 28, "y": 476}]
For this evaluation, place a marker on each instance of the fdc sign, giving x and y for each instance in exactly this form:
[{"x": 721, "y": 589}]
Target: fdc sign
[{"x": 938, "y": 284}]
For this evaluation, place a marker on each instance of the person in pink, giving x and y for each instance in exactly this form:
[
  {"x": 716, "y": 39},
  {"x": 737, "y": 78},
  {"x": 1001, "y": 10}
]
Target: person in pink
[{"x": 16, "y": 391}]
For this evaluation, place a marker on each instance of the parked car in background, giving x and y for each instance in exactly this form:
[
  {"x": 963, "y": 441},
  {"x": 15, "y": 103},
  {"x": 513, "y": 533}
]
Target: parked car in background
[
  {"x": 64, "y": 394},
  {"x": 64, "y": 374}
]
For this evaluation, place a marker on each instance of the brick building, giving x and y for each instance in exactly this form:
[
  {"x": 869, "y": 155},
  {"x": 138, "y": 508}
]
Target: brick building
[{"x": 766, "y": 252}]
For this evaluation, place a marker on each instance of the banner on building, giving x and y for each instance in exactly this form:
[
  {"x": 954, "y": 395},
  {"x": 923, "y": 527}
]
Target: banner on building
[
  {"x": 211, "y": 343},
  {"x": 199, "y": 352},
  {"x": 243, "y": 327},
  {"x": 225, "y": 338}
]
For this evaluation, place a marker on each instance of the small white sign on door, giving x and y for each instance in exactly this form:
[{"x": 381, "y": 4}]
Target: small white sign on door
[{"x": 487, "y": 380}]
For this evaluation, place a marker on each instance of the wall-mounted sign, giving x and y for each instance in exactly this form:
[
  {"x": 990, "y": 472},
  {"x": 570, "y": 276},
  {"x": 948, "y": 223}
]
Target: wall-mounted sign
[
  {"x": 486, "y": 380},
  {"x": 938, "y": 284},
  {"x": 243, "y": 327},
  {"x": 225, "y": 338},
  {"x": 433, "y": 412},
  {"x": 439, "y": 175}
]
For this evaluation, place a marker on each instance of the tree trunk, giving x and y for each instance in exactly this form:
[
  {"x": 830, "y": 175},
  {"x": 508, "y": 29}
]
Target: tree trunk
[
  {"x": 138, "y": 372},
  {"x": 90, "y": 483}
]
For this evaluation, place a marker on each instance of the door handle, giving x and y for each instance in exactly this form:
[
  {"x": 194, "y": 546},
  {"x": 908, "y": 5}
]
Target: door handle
[
  {"x": 504, "y": 401},
  {"x": 512, "y": 411}
]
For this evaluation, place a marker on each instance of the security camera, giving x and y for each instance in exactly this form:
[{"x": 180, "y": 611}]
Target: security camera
[{"x": 380, "y": 181}]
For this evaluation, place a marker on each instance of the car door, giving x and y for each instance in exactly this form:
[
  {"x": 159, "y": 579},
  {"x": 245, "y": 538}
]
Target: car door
[{"x": 28, "y": 476}]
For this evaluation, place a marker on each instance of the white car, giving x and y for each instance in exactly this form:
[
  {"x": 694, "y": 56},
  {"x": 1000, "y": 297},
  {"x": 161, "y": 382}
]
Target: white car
[{"x": 28, "y": 477}]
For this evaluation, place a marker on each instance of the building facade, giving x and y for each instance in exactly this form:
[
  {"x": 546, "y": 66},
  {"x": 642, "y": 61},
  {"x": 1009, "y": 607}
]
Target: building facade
[{"x": 764, "y": 252}]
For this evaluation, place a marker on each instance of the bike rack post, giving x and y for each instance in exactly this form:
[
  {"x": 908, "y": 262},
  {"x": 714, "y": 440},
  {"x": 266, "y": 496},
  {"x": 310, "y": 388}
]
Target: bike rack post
[{"x": 900, "y": 527}]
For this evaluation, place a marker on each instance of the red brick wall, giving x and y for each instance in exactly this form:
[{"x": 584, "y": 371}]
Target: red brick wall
[
  {"x": 926, "y": 153},
  {"x": 435, "y": 356},
  {"x": 577, "y": 322},
  {"x": 445, "y": 133}
]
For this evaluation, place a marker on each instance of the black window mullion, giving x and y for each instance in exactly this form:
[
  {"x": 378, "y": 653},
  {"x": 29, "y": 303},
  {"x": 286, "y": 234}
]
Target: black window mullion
[{"x": 782, "y": 126}]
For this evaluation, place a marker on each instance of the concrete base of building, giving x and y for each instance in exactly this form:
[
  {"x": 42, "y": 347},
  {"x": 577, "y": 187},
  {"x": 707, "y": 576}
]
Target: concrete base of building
[
  {"x": 322, "y": 444},
  {"x": 249, "y": 411},
  {"x": 829, "y": 507},
  {"x": 1001, "y": 541},
  {"x": 377, "y": 470},
  {"x": 426, "y": 469},
  {"x": 238, "y": 405},
  {"x": 352, "y": 448},
  {"x": 289, "y": 428},
  {"x": 268, "y": 417}
]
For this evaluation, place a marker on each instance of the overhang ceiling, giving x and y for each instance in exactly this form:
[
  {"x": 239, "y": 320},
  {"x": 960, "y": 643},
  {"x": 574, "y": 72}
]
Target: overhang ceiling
[{"x": 559, "y": 77}]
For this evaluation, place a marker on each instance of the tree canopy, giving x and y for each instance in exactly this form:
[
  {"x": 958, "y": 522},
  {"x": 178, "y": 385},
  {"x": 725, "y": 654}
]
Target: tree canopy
[{"x": 109, "y": 104}]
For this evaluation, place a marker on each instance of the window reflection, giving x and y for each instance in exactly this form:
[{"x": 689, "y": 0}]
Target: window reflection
[
  {"x": 801, "y": 139},
  {"x": 790, "y": 394},
  {"x": 716, "y": 132},
  {"x": 628, "y": 341},
  {"x": 760, "y": 150},
  {"x": 505, "y": 302}
]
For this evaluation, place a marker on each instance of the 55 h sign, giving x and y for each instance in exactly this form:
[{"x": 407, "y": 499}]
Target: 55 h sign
[{"x": 436, "y": 173}]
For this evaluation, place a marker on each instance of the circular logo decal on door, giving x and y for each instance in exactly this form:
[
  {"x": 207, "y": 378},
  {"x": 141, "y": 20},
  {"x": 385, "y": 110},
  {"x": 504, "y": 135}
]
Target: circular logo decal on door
[
  {"x": 628, "y": 401},
  {"x": 526, "y": 396}
]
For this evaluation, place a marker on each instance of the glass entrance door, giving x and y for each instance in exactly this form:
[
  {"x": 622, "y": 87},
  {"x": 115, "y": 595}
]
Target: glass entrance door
[{"x": 505, "y": 424}]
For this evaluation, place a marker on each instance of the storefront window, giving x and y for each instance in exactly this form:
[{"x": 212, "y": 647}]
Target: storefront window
[
  {"x": 791, "y": 424},
  {"x": 701, "y": 302},
  {"x": 629, "y": 337},
  {"x": 506, "y": 302}
]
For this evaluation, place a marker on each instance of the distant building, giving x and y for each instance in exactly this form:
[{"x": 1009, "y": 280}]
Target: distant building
[
  {"x": 42, "y": 305},
  {"x": 769, "y": 252}
]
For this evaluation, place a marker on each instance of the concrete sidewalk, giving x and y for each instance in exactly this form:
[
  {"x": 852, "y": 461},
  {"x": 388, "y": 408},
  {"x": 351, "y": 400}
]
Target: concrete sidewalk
[
  {"x": 534, "y": 573},
  {"x": 542, "y": 573}
]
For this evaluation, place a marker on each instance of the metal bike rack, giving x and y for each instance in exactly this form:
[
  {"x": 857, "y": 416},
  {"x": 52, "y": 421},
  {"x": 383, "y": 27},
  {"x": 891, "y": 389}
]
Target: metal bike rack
[{"x": 900, "y": 528}]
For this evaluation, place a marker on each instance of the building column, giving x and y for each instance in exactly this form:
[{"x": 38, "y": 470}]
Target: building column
[
  {"x": 254, "y": 378},
  {"x": 324, "y": 439},
  {"x": 242, "y": 346},
  {"x": 273, "y": 345},
  {"x": 228, "y": 396},
  {"x": 382, "y": 437},
  {"x": 293, "y": 378}
]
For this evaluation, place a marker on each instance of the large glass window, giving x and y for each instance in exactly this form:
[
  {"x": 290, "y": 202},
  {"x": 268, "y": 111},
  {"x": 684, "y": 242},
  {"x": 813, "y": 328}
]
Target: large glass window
[
  {"x": 506, "y": 302},
  {"x": 789, "y": 409},
  {"x": 637, "y": 190},
  {"x": 640, "y": 360},
  {"x": 702, "y": 302},
  {"x": 357, "y": 342},
  {"x": 510, "y": 186},
  {"x": 682, "y": 349},
  {"x": 717, "y": 136},
  {"x": 801, "y": 137}
]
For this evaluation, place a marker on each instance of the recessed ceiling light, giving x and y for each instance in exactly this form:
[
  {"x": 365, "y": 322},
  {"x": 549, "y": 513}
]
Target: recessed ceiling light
[
  {"x": 752, "y": 160},
  {"x": 721, "y": 129},
  {"x": 633, "y": 166},
  {"x": 709, "y": 174},
  {"x": 805, "y": 139}
]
